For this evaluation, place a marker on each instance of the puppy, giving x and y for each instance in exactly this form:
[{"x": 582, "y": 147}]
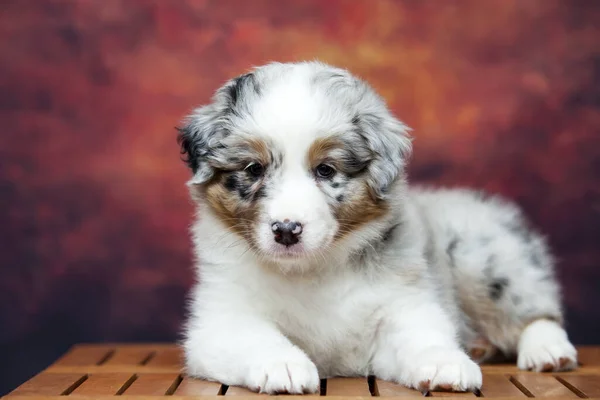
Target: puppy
[{"x": 316, "y": 259}]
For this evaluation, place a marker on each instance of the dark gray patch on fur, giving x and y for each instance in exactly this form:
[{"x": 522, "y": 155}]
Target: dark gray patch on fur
[
  {"x": 231, "y": 183},
  {"x": 340, "y": 198},
  {"x": 237, "y": 89},
  {"x": 484, "y": 240},
  {"x": 335, "y": 185},
  {"x": 497, "y": 287},
  {"x": 241, "y": 183},
  {"x": 534, "y": 257},
  {"x": 516, "y": 299},
  {"x": 389, "y": 234},
  {"x": 260, "y": 193},
  {"x": 520, "y": 227},
  {"x": 450, "y": 250}
]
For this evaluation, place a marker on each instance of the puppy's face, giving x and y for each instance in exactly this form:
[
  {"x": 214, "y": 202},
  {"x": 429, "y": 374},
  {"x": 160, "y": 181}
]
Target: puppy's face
[{"x": 294, "y": 158}]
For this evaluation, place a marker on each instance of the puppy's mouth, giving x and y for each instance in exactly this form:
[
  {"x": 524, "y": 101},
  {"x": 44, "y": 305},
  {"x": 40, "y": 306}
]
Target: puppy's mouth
[{"x": 281, "y": 251}]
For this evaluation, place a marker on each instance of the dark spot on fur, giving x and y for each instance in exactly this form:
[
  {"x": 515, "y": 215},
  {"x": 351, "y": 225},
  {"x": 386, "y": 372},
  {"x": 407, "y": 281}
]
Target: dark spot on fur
[
  {"x": 387, "y": 235},
  {"x": 356, "y": 120},
  {"x": 260, "y": 193},
  {"x": 244, "y": 192},
  {"x": 497, "y": 288},
  {"x": 354, "y": 164},
  {"x": 335, "y": 185},
  {"x": 189, "y": 147},
  {"x": 520, "y": 227},
  {"x": 451, "y": 249},
  {"x": 236, "y": 90},
  {"x": 340, "y": 198},
  {"x": 231, "y": 183},
  {"x": 535, "y": 257}
]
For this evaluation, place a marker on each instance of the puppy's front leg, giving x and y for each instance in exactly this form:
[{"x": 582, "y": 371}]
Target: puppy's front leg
[
  {"x": 244, "y": 350},
  {"x": 417, "y": 346}
]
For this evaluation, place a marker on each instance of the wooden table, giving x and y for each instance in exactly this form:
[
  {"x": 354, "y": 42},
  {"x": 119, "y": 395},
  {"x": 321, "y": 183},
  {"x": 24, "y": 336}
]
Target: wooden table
[{"x": 133, "y": 371}]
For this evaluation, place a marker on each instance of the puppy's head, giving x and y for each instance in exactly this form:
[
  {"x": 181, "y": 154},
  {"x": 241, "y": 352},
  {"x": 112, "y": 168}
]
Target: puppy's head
[{"x": 295, "y": 158}]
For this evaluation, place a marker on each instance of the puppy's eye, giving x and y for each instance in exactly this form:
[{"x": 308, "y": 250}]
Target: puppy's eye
[
  {"x": 324, "y": 171},
  {"x": 255, "y": 169}
]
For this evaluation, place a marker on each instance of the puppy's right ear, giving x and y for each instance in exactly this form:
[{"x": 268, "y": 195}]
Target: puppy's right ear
[{"x": 196, "y": 137}]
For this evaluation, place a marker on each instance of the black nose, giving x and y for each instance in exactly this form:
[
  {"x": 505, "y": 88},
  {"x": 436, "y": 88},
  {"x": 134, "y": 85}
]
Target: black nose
[{"x": 286, "y": 232}]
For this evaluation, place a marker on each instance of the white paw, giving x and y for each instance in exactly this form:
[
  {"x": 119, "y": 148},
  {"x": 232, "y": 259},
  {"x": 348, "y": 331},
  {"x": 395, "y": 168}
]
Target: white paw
[
  {"x": 439, "y": 368},
  {"x": 545, "y": 347},
  {"x": 295, "y": 375}
]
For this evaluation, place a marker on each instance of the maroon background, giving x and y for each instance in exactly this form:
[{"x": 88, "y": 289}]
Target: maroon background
[{"x": 503, "y": 95}]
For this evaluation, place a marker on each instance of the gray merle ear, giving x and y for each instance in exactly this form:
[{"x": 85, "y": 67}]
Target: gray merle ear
[
  {"x": 390, "y": 143},
  {"x": 207, "y": 126},
  {"x": 199, "y": 134}
]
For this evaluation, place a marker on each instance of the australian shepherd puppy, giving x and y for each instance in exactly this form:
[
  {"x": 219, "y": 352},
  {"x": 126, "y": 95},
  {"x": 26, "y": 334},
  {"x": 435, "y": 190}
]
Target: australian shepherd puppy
[{"x": 315, "y": 258}]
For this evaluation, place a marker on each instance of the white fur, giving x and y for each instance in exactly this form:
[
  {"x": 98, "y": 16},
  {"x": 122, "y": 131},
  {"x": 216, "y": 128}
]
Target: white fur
[{"x": 404, "y": 310}]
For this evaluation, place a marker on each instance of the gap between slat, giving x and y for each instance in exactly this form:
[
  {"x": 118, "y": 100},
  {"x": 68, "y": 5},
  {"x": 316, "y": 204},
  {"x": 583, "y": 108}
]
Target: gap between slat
[
  {"x": 126, "y": 385},
  {"x": 323, "y": 388},
  {"x": 147, "y": 359},
  {"x": 571, "y": 387},
  {"x": 74, "y": 385},
  {"x": 372, "y": 382},
  {"x": 106, "y": 357},
  {"x": 174, "y": 386},
  {"x": 520, "y": 386},
  {"x": 223, "y": 390}
]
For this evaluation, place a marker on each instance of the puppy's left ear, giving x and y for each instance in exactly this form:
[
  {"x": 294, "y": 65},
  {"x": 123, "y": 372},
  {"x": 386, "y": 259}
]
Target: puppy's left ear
[
  {"x": 196, "y": 137},
  {"x": 391, "y": 144}
]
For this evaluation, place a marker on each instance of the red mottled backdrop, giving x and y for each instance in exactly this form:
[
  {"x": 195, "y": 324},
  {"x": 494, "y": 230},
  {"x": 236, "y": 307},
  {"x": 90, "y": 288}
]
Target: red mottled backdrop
[{"x": 503, "y": 95}]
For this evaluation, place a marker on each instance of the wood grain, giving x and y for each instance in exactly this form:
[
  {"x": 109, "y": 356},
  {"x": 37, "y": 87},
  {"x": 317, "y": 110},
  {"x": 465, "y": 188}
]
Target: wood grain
[
  {"x": 390, "y": 389},
  {"x": 197, "y": 387},
  {"x": 348, "y": 387},
  {"x": 495, "y": 385},
  {"x": 103, "y": 384},
  {"x": 241, "y": 391},
  {"x": 172, "y": 357},
  {"x": 542, "y": 385},
  {"x": 129, "y": 356},
  {"x": 84, "y": 355},
  {"x": 586, "y": 385},
  {"x": 153, "y": 385},
  {"x": 46, "y": 384}
]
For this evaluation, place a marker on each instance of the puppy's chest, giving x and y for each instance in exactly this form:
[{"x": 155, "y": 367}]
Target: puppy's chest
[{"x": 334, "y": 323}]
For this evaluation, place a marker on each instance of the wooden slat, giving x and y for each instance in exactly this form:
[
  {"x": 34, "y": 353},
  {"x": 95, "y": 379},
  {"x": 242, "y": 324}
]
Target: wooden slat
[
  {"x": 542, "y": 385},
  {"x": 167, "y": 358},
  {"x": 460, "y": 395},
  {"x": 242, "y": 391},
  {"x": 390, "y": 389},
  {"x": 153, "y": 385},
  {"x": 46, "y": 384},
  {"x": 197, "y": 387},
  {"x": 348, "y": 387},
  {"x": 129, "y": 356},
  {"x": 495, "y": 385},
  {"x": 589, "y": 356},
  {"x": 586, "y": 385},
  {"x": 83, "y": 355},
  {"x": 103, "y": 384}
]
